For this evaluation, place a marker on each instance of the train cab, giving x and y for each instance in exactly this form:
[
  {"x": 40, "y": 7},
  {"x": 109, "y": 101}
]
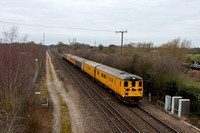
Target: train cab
[{"x": 128, "y": 86}]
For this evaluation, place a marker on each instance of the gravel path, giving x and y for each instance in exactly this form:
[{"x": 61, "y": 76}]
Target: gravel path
[
  {"x": 53, "y": 94},
  {"x": 59, "y": 88}
]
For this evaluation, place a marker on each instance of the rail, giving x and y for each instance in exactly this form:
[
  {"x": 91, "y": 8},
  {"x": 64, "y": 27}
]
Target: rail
[{"x": 152, "y": 120}]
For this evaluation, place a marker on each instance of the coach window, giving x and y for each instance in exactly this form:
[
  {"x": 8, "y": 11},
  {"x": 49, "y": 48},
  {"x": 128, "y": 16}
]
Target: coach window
[
  {"x": 112, "y": 80},
  {"x": 98, "y": 72},
  {"x": 101, "y": 74},
  {"x": 120, "y": 83},
  {"x": 125, "y": 84},
  {"x": 104, "y": 76}
]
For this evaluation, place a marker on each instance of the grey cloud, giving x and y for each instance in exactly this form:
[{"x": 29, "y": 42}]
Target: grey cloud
[{"x": 156, "y": 20}]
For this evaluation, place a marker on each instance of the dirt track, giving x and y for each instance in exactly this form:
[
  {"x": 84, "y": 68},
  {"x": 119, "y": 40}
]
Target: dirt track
[{"x": 53, "y": 94}]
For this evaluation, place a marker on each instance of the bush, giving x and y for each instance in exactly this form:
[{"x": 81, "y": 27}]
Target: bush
[
  {"x": 193, "y": 94},
  {"x": 17, "y": 68},
  {"x": 165, "y": 75}
]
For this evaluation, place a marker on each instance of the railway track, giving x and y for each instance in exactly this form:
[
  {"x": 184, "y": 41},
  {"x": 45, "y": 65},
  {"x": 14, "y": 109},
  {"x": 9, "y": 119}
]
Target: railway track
[
  {"x": 120, "y": 122},
  {"x": 153, "y": 121}
]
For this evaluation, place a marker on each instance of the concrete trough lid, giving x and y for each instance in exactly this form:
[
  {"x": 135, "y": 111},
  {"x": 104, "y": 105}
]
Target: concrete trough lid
[
  {"x": 184, "y": 100},
  {"x": 176, "y": 97}
]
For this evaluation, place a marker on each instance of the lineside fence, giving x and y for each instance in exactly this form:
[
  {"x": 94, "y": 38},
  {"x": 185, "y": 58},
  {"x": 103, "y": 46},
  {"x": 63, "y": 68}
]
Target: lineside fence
[{"x": 21, "y": 107}]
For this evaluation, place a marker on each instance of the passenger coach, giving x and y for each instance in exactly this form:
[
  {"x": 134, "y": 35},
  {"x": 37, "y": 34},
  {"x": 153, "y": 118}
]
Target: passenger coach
[{"x": 90, "y": 67}]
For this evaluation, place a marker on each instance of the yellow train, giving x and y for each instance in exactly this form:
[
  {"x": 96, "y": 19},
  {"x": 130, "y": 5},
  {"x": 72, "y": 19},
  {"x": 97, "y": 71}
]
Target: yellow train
[{"x": 127, "y": 87}]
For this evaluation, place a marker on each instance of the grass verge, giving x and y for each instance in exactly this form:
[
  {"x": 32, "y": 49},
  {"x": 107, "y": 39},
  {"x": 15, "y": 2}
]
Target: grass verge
[
  {"x": 50, "y": 71},
  {"x": 65, "y": 121},
  {"x": 38, "y": 118}
]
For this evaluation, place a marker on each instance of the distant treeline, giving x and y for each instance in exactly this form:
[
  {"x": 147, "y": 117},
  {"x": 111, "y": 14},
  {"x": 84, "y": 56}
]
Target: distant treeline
[{"x": 194, "y": 51}]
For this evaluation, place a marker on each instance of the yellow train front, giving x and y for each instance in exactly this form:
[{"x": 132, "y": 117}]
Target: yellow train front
[{"x": 127, "y": 87}]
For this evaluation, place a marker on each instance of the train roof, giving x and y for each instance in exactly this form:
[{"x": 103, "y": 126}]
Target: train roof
[
  {"x": 67, "y": 54},
  {"x": 92, "y": 63},
  {"x": 118, "y": 73},
  {"x": 79, "y": 59}
]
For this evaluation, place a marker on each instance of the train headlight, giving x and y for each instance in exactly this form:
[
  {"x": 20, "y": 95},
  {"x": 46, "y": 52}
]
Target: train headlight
[{"x": 130, "y": 88}]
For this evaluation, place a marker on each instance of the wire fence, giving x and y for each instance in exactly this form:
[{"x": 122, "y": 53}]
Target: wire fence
[
  {"x": 22, "y": 105},
  {"x": 160, "y": 105}
]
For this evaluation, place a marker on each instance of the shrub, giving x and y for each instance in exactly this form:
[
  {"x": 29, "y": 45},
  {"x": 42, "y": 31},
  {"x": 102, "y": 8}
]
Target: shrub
[
  {"x": 17, "y": 68},
  {"x": 193, "y": 94}
]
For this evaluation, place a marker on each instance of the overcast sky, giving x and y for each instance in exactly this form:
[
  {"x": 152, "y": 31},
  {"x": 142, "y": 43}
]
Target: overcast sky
[{"x": 156, "y": 21}]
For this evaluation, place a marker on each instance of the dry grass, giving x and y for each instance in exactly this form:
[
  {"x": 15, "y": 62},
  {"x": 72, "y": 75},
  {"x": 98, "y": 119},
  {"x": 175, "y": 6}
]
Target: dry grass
[
  {"x": 50, "y": 71},
  {"x": 65, "y": 121},
  {"x": 40, "y": 118},
  {"x": 36, "y": 118},
  {"x": 194, "y": 74}
]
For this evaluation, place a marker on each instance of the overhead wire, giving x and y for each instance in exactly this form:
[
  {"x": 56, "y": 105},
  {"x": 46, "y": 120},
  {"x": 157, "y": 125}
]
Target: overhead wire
[
  {"x": 126, "y": 39},
  {"x": 55, "y": 27}
]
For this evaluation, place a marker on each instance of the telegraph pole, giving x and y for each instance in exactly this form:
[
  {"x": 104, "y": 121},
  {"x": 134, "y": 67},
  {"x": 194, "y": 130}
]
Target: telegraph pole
[{"x": 122, "y": 31}]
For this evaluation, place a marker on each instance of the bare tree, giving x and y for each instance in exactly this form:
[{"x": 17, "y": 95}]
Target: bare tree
[
  {"x": 24, "y": 39},
  {"x": 11, "y": 35}
]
